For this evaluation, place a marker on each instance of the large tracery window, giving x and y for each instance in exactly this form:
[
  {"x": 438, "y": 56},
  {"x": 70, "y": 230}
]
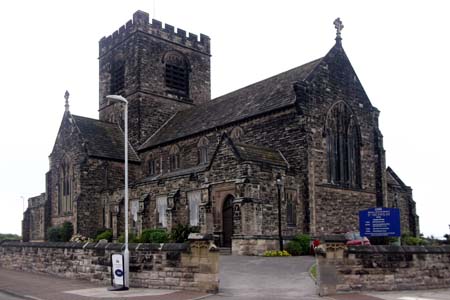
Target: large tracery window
[
  {"x": 343, "y": 146},
  {"x": 176, "y": 73}
]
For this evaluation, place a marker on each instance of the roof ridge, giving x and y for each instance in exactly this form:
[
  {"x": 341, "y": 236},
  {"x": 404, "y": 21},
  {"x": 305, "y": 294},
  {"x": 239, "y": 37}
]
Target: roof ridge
[{"x": 267, "y": 79}]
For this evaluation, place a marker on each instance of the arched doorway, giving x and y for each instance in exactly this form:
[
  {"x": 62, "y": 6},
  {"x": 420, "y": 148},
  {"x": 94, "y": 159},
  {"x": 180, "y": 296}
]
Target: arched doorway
[{"x": 227, "y": 221}]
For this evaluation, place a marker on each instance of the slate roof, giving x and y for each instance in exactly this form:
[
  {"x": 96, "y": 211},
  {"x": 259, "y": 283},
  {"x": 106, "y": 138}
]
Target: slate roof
[
  {"x": 260, "y": 154},
  {"x": 264, "y": 96},
  {"x": 103, "y": 139}
]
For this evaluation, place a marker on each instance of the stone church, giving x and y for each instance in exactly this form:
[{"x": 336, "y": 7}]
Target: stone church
[{"x": 308, "y": 136}]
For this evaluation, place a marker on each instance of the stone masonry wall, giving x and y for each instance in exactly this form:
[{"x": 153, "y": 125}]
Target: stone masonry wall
[
  {"x": 383, "y": 268},
  {"x": 335, "y": 81},
  {"x": 170, "y": 266}
]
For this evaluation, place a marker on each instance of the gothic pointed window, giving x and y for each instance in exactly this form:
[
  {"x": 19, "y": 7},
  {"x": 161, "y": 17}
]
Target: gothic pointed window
[
  {"x": 176, "y": 74},
  {"x": 343, "y": 146},
  {"x": 161, "y": 207},
  {"x": 237, "y": 133},
  {"x": 152, "y": 166},
  {"x": 65, "y": 187},
  {"x": 291, "y": 207},
  {"x": 174, "y": 158},
  {"x": 203, "y": 150},
  {"x": 194, "y": 199}
]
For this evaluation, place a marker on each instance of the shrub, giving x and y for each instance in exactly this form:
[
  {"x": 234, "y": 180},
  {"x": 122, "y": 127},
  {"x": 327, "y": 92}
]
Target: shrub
[
  {"x": 154, "y": 236},
  {"x": 294, "y": 248},
  {"x": 181, "y": 232},
  {"x": 9, "y": 237},
  {"x": 132, "y": 238},
  {"x": 54, "y": 234},
  {"x": 271, "y": 253},
  {"x": 105, "y": 235},
  {"x": 66, "y": 231},
  {"x": 60, "y": 233},
  {"x": 412, "y": 241},
  {"x": 300, "y": 245}
]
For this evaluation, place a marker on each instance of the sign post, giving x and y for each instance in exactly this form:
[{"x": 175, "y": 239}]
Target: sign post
[
  {"x": 117, "y": 273},
  {"x": 379, "y": 221}
]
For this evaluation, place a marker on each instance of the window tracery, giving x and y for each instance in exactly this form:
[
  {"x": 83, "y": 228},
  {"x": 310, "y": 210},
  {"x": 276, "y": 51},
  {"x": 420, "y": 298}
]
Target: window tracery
[{"x": 343, "y": 146}]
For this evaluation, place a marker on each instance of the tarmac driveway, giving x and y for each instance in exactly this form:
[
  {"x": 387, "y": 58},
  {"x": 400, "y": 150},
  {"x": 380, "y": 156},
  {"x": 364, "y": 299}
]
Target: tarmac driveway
[{"x": 274, "y": 278}]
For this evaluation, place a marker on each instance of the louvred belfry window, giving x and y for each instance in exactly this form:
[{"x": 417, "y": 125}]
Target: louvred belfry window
[
  {"x": 176, "y": 74},
  {"x": 343, "y": 146},
  {"x": 117, "y": 77}
]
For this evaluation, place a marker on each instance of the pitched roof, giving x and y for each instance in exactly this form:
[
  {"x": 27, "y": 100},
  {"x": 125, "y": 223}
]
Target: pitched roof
[
  {"x": 264, "y": 96},
  {"x": 103, "y": 139},
  {"x": 260, "y": 154}
]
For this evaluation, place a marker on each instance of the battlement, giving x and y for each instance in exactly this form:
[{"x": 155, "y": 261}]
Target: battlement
[{"x": 141, "y": 22}]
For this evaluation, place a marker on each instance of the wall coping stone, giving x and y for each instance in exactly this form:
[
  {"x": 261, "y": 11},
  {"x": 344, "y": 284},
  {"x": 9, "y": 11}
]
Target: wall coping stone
[
  {"x": 181, "y": 247},
  {"x": 398, "y": 249},
  {"x": 260, "y": 237},
  {"x": 148, "y": 246},
  {"x": 334, "y": 238},
  {"x": 175, "y": 247}
]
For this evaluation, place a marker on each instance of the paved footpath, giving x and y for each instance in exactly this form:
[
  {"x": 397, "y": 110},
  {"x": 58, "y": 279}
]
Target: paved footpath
[
  {"x": 242, "y": 278},
  {"x": 23, "y": 285}
]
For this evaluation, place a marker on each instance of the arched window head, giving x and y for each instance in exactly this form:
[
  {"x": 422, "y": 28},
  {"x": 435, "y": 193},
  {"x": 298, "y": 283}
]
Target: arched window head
[
  {"x": 237, "y": 133},
  {"x": 117, "y": 83},
  {"x": 174, "y": 158},
  {"x": 65, "y": 186},
  {"x": 176, "y": 73},
  {"x": 202, "y": 146},
  {"x": 343, "y": 146}
]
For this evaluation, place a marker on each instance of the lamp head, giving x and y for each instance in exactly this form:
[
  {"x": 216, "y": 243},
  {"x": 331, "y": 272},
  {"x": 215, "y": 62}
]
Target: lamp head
[
  {"x": 116, "y": 99},
  {"x": 279, "y": 179}
]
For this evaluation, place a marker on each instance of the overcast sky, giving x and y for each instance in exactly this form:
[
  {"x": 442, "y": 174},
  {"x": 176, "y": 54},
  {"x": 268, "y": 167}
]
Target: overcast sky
[{"x": 399, "y": 49}]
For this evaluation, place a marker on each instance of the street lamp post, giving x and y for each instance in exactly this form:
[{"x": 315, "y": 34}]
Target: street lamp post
[
  {"x": 126, "y": 253},
  {"x": 279, "y": 184}
]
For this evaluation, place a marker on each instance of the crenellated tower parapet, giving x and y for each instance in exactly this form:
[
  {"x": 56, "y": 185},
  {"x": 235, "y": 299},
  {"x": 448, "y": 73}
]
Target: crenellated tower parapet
[
  {"x": 141, "y": 22},
  {"x": 159, "y": 69}
]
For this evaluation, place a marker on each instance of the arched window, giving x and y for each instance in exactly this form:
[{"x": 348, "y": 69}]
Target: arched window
[
  {"x": 65, "y": 187},
  {"x": 343, "y": 146},
  {"x": 237, "y": 133},
  {"x": 203, "y": 150},
  {"x": 174, "y": 158},
  {"x": 117, "y": 76},
  {"x": 152, "y": 166},
  {"x": 176, "y": 73},
  {"x": 291, "y": 208}
]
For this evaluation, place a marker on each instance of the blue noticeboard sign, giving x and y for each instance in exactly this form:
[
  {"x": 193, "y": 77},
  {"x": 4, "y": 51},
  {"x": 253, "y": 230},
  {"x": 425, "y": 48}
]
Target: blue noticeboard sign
[{"x": 379, "y": 221}]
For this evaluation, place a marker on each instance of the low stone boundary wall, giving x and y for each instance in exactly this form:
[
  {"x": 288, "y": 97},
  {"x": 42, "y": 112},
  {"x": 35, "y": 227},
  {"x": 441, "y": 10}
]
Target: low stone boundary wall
[
  {"x": 382, "y": 268},
  {"x": 190, "y": 266}
]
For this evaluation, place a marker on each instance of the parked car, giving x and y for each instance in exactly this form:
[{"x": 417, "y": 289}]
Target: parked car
[{"x": 355, "y": 239}]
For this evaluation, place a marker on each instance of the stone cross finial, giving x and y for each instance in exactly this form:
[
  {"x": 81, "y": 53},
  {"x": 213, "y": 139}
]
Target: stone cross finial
[
  {"x": 66, "y": 96},
  {"x": 339, "y": 26}
]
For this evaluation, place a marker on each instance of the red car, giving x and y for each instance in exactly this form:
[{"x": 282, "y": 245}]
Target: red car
[{"x": 355, "y": 239}]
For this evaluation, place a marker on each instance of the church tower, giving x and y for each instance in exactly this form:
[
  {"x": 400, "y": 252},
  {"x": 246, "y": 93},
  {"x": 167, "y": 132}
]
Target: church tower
[{"x": 158, "y": 69}]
